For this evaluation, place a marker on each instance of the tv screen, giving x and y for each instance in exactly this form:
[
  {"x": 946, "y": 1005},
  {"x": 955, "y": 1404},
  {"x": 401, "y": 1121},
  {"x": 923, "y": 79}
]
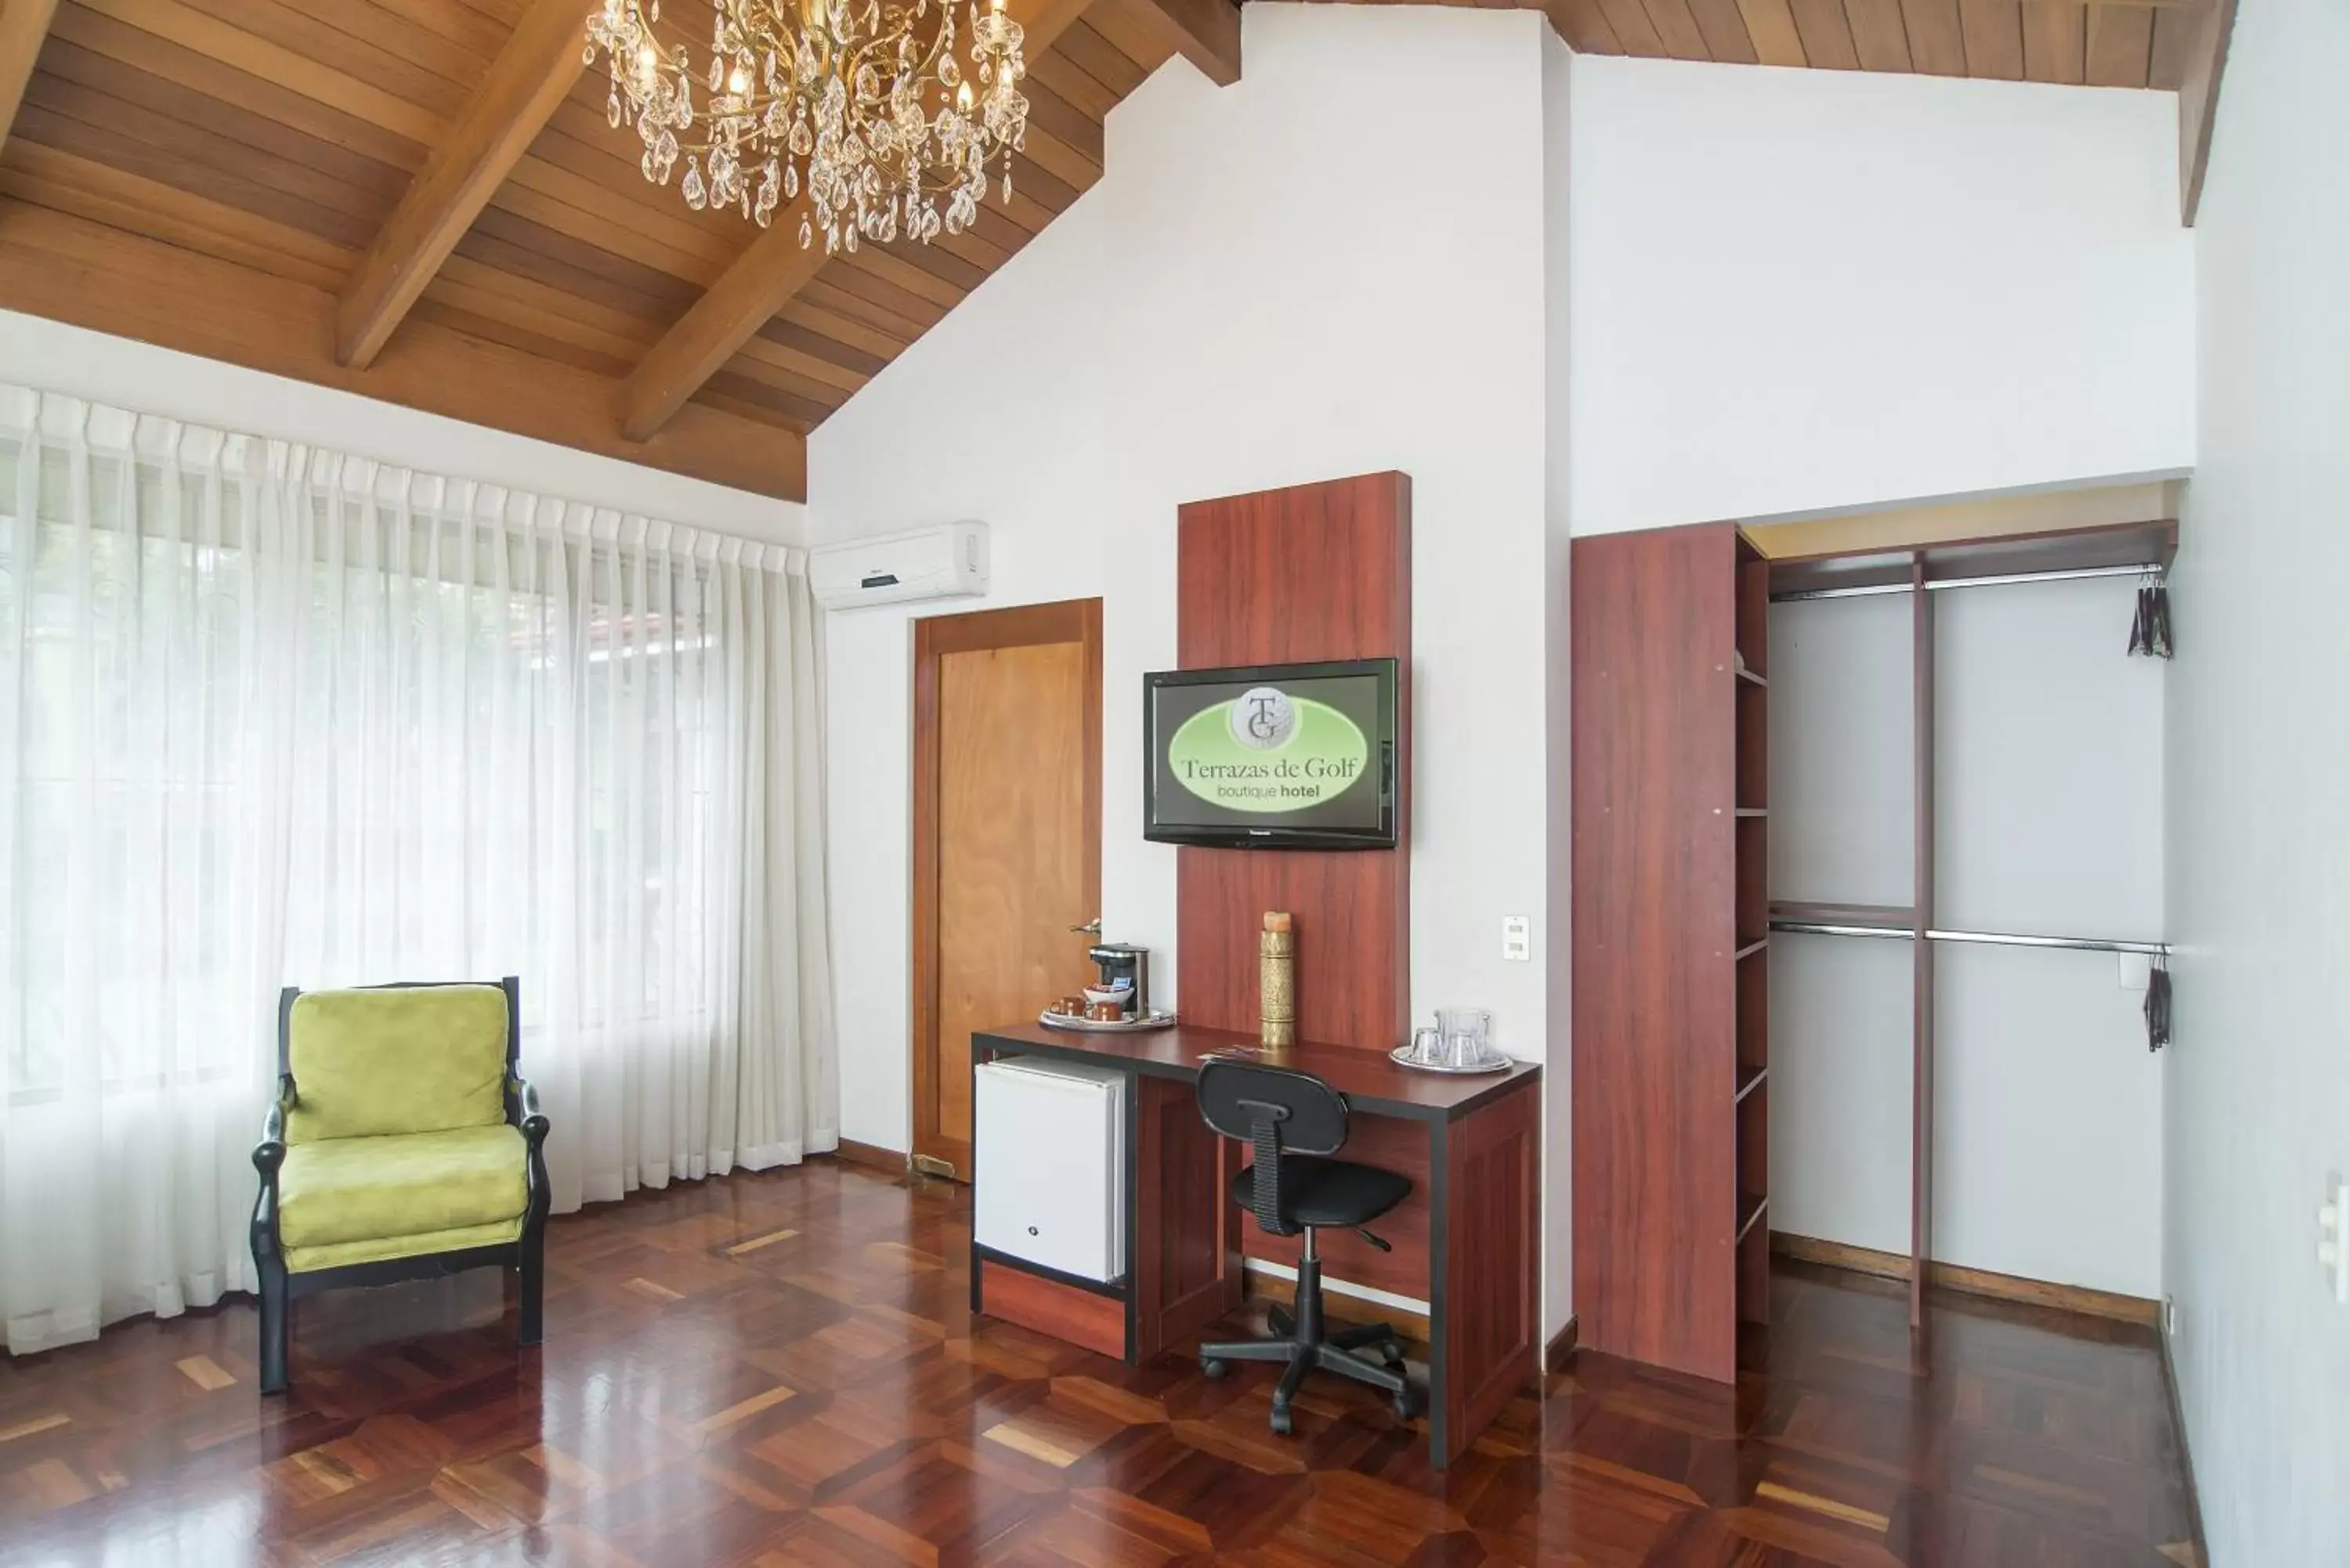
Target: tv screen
[{"x": 1281, "y": 756}]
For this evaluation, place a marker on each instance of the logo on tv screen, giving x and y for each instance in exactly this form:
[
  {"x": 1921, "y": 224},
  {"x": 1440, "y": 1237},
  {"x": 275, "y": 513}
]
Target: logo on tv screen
[{"x": 1266, "y": 751}]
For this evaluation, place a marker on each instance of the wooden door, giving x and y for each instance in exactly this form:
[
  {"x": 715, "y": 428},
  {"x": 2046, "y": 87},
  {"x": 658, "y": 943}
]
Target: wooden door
[{"x": 1008, "y": 839}]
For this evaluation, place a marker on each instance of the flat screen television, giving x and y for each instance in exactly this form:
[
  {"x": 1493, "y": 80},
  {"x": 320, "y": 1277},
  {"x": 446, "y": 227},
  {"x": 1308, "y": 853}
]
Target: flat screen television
[{"x": 1274, "y": 756}]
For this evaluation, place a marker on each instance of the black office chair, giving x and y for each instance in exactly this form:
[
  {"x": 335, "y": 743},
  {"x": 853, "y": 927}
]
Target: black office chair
[{"x": 1291, "y": 1119}]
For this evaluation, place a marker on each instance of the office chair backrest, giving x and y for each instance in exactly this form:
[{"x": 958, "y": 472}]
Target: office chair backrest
[{"x": 1279, "y": 1110}]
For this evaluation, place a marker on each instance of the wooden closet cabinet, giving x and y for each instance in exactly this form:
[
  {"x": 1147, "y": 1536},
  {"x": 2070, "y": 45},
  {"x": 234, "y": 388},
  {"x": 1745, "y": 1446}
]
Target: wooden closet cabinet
[{"x": 1671, "y": 1005}]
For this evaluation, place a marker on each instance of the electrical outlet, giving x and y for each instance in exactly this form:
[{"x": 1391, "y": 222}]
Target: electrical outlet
[
  {"x": 1517, "y": 939},
  {"x": 2334, "y": 1236}
]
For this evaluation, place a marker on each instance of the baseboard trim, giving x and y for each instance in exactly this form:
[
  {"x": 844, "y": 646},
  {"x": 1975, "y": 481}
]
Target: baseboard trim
[
  {"x": 872, "y": 1156},
  {"x": 1972, "y": 1281},
  {"x": 1261, "y": 1284},
  {"x": 1561, "y": 1349},
  {"x": 2185, "y": 1450}
]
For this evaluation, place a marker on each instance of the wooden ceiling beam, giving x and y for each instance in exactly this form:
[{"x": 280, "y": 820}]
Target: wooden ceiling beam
[
  {"x": 1205, "y": 32},
  {"x": 765, "y": 276},
  {"x": 70, "y": 269},
  {"x": 22, "y": 24},
  {"x": 2199, "y": 98},
  {"x": 530, "y": 76},
  {"x": 719, "y": 323}
]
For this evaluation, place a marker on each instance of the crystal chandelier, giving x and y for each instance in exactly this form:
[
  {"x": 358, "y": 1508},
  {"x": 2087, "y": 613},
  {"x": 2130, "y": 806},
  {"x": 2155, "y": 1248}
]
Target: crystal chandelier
[{"x": 866, "y": 107}]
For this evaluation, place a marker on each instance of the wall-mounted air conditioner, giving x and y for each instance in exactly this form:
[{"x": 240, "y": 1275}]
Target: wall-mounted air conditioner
[{"x": 927, "y": 564}]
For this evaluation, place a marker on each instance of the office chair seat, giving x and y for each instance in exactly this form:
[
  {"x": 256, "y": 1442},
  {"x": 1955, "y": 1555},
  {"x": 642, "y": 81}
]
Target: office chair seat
[{"x": 1327, "y": 1191}]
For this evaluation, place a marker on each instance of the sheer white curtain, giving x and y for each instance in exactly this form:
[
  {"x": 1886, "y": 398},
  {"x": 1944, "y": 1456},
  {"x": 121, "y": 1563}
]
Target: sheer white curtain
[{"x": 274, "y": 715}]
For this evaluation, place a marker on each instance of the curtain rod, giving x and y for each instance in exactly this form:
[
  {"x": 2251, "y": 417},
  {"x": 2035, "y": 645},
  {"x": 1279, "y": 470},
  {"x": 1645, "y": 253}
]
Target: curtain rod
[
  {"x": 1869, "y": 590},
  {"x": 1999, "y": 938}
]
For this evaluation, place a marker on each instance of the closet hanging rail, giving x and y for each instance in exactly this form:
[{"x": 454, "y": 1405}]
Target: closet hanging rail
[
  {"x": 1999, "y": 938},
  {"x": 2077, "y": 944},
  {"x": 1936, "y": 584}
]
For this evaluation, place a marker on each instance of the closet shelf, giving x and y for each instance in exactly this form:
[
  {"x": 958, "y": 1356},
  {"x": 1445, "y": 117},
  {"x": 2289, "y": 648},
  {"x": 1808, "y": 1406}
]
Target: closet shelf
[
  {"x": 1872, "y": 916},
  {"x": 1750, "y": 1207},
  {"x": 1749, "y": 677},
  {"x": 1756, "y": 946},
  {"x": 1751, "y": 811},
  {"x": 1749, "y": 1080}
]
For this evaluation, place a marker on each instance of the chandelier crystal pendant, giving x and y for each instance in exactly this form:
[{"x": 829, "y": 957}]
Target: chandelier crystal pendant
[{"x": 866, "y": 108}]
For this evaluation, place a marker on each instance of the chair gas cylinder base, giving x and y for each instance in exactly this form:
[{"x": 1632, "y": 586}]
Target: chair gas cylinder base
[
  {"x": 1298, "y": 1339},
  {"x": 1292, "y": 1120}
]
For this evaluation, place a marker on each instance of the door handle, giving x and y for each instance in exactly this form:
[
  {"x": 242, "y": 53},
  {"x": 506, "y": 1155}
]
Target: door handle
[{"x": 1090, "y": 929}]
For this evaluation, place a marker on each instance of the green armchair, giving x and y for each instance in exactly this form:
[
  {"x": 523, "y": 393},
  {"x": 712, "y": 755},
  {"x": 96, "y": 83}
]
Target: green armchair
[{"x": 404, "y": 1145}]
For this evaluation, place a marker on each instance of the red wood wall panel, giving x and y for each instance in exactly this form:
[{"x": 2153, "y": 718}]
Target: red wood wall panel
[{"x": 1311, "y": 572}]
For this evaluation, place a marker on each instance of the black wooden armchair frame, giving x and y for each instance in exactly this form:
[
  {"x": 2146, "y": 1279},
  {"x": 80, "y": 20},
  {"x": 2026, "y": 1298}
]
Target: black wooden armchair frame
[{"x": 526, "y": 1256}]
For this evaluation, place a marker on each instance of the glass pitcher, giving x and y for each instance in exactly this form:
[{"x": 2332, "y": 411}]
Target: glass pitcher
[{"x": 1465, "y": 1036}]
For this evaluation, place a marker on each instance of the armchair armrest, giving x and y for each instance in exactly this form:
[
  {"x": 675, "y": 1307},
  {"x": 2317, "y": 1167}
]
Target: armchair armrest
[
  {"x": 270, "y": 1152},
  {"x": 268, "y": 1156},
  {"x": 522, "y": 1105},
  {"x": 522, "y": 1109}
]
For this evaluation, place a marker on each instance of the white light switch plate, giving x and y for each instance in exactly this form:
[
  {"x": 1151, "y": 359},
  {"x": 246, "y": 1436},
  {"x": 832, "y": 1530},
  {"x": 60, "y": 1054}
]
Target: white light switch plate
[{"x": 1517, "y": 939}]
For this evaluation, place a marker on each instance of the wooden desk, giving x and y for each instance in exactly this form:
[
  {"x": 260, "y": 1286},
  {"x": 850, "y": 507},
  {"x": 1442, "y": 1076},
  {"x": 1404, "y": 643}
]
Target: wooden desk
[{"x": 1465, "y": 1240}]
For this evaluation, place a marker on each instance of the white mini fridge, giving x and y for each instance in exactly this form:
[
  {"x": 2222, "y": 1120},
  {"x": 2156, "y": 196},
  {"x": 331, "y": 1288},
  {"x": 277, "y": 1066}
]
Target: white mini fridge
[{"x": 1049, "y": 1177}]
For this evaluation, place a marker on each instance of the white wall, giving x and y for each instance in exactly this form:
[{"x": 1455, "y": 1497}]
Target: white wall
[
  {"x": 1558, "y": 950},
  {"x": 1255, "y": 294},
  {"x": 2048, "y": 797},
  {"x": 2260, "y": 849},
  {"x": 1249, "y": 299},
  {"x": 2048, "y": 818},
  {"x": 1798, "y": 289},
  {"x": 56, "y": 358},
  {"x": 1840, "y": 1006}
]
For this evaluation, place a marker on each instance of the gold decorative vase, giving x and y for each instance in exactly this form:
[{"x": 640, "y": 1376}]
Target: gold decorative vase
[{"x": 1276, "y": 948}]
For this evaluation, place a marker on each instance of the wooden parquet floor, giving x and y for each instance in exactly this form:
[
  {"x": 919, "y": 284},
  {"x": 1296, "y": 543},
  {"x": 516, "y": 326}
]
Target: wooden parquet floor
[{"x": 781, "y": 1370}]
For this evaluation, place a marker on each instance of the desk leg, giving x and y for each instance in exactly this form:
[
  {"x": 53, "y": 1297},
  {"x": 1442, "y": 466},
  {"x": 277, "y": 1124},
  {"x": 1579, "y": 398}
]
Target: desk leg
[
  {"x": 1186, "y": 1241},
  {"x": 1485, "y": 1266}
]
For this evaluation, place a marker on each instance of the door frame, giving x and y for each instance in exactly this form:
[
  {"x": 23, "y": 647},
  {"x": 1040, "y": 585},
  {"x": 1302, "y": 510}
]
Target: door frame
[{"x": 1068, "y": 621}]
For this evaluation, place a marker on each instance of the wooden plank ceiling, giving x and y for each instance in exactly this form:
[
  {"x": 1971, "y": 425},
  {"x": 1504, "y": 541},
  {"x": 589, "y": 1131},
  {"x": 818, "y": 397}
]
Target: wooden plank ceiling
[
  {"x": 2136, "y": 44},
  {"x": 420, "y": 200}
]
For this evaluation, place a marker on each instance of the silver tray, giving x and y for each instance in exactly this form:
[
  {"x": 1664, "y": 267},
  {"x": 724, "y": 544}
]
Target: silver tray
[
  {"x": 1401, "y": 1057},
  {"x": 1157, "y": 1019}
]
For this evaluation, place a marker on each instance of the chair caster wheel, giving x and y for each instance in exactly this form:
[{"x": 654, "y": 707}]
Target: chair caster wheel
[
  {"x": 1210, "y": 1367},
  {"x": 1281, "y": 1420},
  {"x": 1402, "y": 1406},
  {"x": 1392, "y": 1355}
]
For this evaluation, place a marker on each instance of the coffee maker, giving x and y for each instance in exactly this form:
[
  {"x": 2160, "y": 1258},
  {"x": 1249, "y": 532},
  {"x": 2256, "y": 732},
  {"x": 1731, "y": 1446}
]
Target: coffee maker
[{"x": 1127, "y": 969}]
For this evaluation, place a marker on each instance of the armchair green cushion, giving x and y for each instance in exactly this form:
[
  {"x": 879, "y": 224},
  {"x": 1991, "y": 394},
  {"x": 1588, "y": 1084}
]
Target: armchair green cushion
[
  {"x": 397, "y": 1197},
  {"x": 415, "y": 1059},
  {"x": 339, "y": 1255}
]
